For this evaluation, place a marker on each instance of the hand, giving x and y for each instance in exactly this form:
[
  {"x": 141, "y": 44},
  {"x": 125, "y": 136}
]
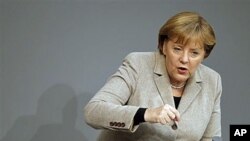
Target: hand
[{"x": 164, "y": 114}]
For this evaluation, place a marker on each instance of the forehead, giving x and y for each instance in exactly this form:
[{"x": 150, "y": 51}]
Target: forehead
[{"x": 194, "y": 43}]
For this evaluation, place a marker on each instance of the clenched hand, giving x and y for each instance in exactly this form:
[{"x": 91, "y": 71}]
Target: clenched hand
[{"x": 165, "y": 114}]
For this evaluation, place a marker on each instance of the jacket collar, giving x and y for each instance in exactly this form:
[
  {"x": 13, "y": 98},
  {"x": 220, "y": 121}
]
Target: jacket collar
[{"x": 161, "y": 79}]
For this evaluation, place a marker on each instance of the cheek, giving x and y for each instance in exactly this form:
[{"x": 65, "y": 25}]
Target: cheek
[
  {"x": 172, "y": 58},
  {"x": 171, "y": 65},
  {"x": 194, "y": 65},
  {"x": 170, "y": 61}
]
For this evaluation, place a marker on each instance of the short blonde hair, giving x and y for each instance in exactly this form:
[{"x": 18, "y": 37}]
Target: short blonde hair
[{"x": 186, "y": 27}]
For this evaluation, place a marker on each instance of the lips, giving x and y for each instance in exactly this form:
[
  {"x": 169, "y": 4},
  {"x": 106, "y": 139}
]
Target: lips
[{"x": 182, "y": 70}]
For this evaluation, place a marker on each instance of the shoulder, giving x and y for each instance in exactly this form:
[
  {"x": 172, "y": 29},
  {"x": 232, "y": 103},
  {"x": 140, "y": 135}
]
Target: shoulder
[
  {"x": 207, "y": 70},
  {"x": 141, "y": 61},
  {"x": 141, "y": 58},
  {"x": 140, "y": 55},
  {"x": 208, "y": 74}
]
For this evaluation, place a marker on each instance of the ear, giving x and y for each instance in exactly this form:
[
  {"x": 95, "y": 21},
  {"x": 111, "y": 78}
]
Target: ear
[
  {"x": 202, "y": 59},
  {"x": 164, "y": 48},
  {"x": 204, "y": 56}
]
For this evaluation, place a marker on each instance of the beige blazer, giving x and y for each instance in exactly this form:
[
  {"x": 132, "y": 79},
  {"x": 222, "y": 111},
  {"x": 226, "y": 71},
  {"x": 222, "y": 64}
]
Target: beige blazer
[{"x": 142, "y": 81}]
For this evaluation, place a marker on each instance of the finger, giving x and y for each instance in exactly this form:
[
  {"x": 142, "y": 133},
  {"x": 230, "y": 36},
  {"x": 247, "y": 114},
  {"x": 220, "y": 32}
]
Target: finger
[
  {"x": 172, "y": 112},
  {"x": 162, "y": 120},
  {"x": 164, "y": 116},
  {"x": 168, "y": 115},
  {"x": 171, "y": 115},
  {"x": 167, "y": 118},
  {"x": 176, "y": 113},
  {"x": 171, "y": 123}
]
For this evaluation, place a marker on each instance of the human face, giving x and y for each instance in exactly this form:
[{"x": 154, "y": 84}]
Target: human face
[{"x": 182, "y": 60}]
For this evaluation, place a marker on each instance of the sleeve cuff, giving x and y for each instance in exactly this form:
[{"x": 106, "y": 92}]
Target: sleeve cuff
[{"x": 139, "y": 116}]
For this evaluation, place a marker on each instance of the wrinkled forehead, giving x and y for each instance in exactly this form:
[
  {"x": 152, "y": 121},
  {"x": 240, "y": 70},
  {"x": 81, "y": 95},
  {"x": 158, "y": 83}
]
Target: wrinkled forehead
[{"x": 195, "y": 41}]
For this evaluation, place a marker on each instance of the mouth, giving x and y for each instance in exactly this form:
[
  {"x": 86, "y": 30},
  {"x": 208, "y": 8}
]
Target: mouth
[{"x": 182, "y": 70}]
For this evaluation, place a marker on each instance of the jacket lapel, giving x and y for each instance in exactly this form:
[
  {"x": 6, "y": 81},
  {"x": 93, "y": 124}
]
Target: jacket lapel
[
  {"x": 162, "y": 80},
  {"x": 164, "y": 89},
  {"x": 192, "y": 89}
]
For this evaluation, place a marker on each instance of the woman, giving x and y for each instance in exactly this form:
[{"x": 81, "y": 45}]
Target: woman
[{"x": 164, "y": 95}]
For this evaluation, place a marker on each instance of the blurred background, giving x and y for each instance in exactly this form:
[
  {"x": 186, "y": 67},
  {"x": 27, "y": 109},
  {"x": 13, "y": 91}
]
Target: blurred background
[{"x": 56, "y": 54}]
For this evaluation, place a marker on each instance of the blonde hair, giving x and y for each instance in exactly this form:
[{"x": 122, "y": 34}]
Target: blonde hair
[{"x": 186, "y": 27}]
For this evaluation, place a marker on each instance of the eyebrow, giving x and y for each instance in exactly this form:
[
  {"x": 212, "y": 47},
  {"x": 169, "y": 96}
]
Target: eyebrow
[
  {"x": 192, "y": 48},
  {"x": 200, "y": 48},
  {"x": 196, "y": 48},
  {"x": 178, "y": 44},
  {"x": 182, "y": 45}
]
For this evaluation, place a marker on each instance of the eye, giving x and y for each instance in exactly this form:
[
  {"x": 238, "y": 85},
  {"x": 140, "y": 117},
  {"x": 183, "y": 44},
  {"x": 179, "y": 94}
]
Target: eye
[
  {"x": 195, "y": 53},
  {"x": 177, "y": 48}
]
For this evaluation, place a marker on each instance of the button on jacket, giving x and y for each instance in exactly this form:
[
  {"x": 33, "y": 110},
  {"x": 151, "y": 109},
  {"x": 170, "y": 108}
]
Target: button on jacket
[{"x": 142, "y": 81}]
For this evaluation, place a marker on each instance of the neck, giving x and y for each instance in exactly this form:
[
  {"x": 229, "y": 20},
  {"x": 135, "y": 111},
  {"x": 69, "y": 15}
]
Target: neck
[{"x": 177, "y": 86}]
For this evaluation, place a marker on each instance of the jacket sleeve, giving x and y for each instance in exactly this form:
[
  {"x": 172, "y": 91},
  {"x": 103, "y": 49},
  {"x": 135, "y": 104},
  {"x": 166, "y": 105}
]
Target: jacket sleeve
[
  {"x": 214, "y": 126},
  {"x": 108, "y": 109}
]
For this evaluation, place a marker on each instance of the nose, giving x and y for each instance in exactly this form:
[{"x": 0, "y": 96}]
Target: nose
[{"x": 184, "y": 58}]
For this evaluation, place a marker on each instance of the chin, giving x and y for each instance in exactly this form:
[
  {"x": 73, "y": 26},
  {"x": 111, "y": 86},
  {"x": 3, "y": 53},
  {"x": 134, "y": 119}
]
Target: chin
[{"x": 182, "y": 78}]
